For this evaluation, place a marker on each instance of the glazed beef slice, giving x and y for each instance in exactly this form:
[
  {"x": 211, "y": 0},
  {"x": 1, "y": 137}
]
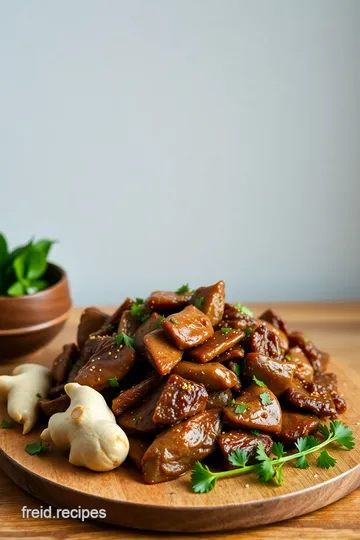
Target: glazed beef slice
[
  {"x": 240, "y": 440},
  {"x": 211, "y": 301},
  {"x": 175, "y": 450},
  {"x": 215, "y": 345},
  {"x": 188, "y": 328},
  {"x": 179, "y": 399}
]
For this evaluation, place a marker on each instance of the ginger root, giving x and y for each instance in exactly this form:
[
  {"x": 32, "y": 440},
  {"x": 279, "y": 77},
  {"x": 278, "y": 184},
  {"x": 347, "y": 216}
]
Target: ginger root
[
  {"x": 89, "y": 429},
  {"x": 21, "y": 389}
]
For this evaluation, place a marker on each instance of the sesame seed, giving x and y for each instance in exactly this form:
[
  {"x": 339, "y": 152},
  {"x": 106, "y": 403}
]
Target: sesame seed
[
  {"x": 316, "y": 475},
  {"x": 247, "y": 485}
]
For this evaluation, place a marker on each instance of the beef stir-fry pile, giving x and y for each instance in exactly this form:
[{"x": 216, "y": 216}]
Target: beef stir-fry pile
[{"x": 187, "y": 374}]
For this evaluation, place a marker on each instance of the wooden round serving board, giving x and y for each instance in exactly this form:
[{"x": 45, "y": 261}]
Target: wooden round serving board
[{"x": 172, "y": 506}]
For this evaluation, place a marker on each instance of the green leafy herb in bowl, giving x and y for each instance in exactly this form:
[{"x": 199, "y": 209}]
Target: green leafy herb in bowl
[{"x": 22, "y": 270}]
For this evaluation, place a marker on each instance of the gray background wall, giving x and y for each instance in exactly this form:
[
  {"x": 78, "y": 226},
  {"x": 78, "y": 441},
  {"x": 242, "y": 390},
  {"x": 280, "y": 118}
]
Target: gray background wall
[{"x": 187, "y": 140}]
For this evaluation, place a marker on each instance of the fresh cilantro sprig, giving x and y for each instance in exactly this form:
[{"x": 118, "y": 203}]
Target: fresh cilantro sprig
[
  {"x": 198, "y": 302},
  {"x": 183, "y": 289},
  {"x": 114, "y": 382},
  {"x": 123, "y": 338},
  {"x": 240, "y": 409},
  {"x": 269, "y": 468},
  {"x": 37, "y": 448},
  {"x": 243, "y": 309},
  {"x": 139, "y": 310},
  {"x": 225, "y": 331},
  {"x": 258, "y": 382}
]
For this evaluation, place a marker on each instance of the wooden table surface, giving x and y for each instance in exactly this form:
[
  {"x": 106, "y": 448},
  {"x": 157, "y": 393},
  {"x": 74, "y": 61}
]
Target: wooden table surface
[{"x": 335, "y": 327}]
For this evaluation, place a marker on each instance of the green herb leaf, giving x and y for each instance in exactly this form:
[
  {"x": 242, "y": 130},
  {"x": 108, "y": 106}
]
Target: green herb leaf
[
  {"x": 122, "y": 338},
  {"x": 174, "y": 321},
  {"x": 278, "y": 450},
  {"x": 36, "y": 286},
  {"x": 137, "y": 310},
  {"x": 324, "y": 430},
  {"x": 6, "y": 424},
  {"x": 17, "y": 289},
  {"x": 325, "y": 461},
  {"x": 203, "y": 480},
  {"x": 38, "y": 395},
  {"x": 287, "y": 357},
  {"x": 259, "y": 383},
  {"x": 302, "y": 463},
  {"x": 19, "y": 265},
  {"x": 260, "y": 453},
  {"x": 243, "y": 309},
  {"x": 225, "y": 331},
  {"x": 231, "y": 403},
  {"x": 36, "y": 448},
  {"x": 265, "y": 471},
  {"x": 305, "y": 443},
  {"x": 36, "y": 263},
  {"x": 238, "y": 458},
  {"x": 265, "y": 398},
  {"x": 255, "y": 432},
  {"x": 342, "y": 434},
  {"x": 278, "y": 474},
  {"x": 139, "y": 301},
  {"x": 3, "y": 249},
  {"x": 248, "y": 331},
  {"x": 44, "y": 246},
  {"x": 183, "y": 289},
  {"x": 236, "y": 369},
  {"x": 239, "y": 409},
  {"x": 198, "y": 302},
  {"x": 160, "y": 321},
  {"x": 113, "y": 381}
]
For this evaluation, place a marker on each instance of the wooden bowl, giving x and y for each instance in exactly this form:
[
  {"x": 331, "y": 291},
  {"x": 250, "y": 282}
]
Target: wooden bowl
[{"x": 27, "y": 323}]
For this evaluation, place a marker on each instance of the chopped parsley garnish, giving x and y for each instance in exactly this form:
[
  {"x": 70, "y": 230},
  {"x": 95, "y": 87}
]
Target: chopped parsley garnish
[
  {"x": 248, "y": 331},
  {"x": 236, "y": 369},
  {"x": 231, "y": 403},
  {"x": 259, "y": 383},
  {"x": 243, "y": 309},
  {"x": 139, "y": 311},
  {"x": 160, "y": 321},
  {"x": 113, "y": 381},
  {"x": 6, "y": 424},
  {"x": 198, "y": 302},
  {"x": 239, "y": 409},
  {"x": 122, "y": 338},
  {"x": 36, "y": 448},
  {"x": 255, "y": 432},
  {"x": 287, "y": 357},
  {"x": 174, "y": 321},
  {"x": 183, "y": 289},
  {"x": 139, "y": 301},
  {"x": 225, "y": 331},
  {"x": 38, "y": 395},
  {"x": 270, "y": 468},
  {"x": 265, "y": 398}
]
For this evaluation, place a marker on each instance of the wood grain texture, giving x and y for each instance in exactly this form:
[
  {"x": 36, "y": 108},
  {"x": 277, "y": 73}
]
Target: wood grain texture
[{"x": 335, "y": 328}]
